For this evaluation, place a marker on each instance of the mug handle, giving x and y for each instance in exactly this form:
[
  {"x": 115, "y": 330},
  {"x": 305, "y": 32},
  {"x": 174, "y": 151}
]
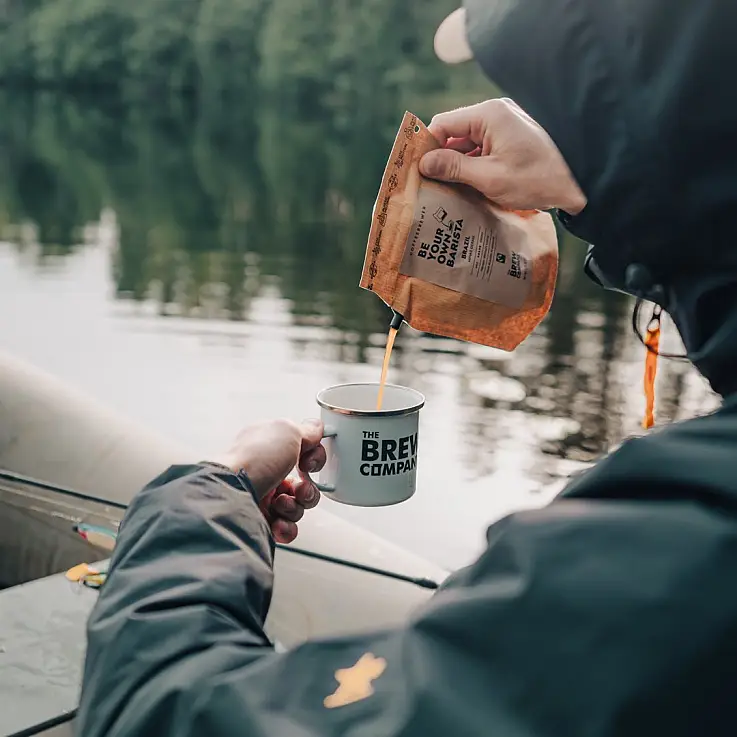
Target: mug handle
[{"x": 329, "y": 432}]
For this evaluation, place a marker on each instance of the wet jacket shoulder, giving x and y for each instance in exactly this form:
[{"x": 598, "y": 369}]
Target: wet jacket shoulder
[
  {"x": 611, "y": 612},
  {"x": 634, "y": 93}
]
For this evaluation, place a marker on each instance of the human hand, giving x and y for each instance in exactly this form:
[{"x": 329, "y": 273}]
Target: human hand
[
  {"x": 267, "y": 453},
  {"x": 499, "y": 150}
]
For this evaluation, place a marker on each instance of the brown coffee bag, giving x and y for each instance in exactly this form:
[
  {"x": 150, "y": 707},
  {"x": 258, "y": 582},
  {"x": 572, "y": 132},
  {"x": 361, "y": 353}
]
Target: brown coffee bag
[{"x": 449, "y": 261}]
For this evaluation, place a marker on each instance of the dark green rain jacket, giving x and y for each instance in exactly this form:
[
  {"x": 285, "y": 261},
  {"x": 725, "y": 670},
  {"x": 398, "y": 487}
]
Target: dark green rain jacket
[{"x": 612, "y": 612}]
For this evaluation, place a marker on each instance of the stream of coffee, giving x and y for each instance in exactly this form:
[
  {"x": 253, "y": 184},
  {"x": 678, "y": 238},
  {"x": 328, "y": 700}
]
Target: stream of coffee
[{"x": 385, "y": 366}]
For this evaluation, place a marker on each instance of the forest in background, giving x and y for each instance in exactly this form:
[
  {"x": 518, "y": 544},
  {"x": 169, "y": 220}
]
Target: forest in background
[
  {"x": 340, "y": 55},
  {"x": 212, "y": 126},
  {"x": 202, "y": 198},
  {"x": 214, "y": 206}
]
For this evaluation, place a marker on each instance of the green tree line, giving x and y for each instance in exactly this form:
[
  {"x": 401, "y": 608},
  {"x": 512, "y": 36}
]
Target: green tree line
[
  {"x": 211, "y": 208},
  {"x": 316, "y": 53},
  {"x": 207, "y": 203}
]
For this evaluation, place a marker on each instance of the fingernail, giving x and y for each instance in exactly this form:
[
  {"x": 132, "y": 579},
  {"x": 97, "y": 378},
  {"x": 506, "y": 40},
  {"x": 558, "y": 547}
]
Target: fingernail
[{"x": 313, "y": 466}]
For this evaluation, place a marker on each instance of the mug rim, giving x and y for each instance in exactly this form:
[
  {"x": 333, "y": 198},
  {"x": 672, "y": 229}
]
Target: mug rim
[{"x": 418, "y": 405}]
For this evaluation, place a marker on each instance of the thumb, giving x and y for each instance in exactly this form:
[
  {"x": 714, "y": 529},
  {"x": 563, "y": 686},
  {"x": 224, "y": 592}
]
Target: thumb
[
  {"x": 311, "y": 431},
  {"x": 452, "y": 166}
]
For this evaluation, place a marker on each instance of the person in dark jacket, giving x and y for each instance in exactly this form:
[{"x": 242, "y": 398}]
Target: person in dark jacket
[{"x": 612, "y": 612}]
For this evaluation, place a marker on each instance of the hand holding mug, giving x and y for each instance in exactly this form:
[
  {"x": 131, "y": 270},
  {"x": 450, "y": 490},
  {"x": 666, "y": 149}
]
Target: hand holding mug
[
  {"x": 371, "y": 459},
  {"x": 267, "y": 453}
]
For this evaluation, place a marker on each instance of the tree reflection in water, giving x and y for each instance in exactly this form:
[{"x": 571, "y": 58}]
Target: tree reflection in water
[{"x": 213, "y": 207}]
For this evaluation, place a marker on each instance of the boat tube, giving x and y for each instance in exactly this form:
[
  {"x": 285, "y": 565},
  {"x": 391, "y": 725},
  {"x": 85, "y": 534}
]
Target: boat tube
[{"x": 66, "y": 460}]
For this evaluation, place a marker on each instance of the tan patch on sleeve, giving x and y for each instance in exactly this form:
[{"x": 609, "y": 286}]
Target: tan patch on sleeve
[
  {"x": 355, "y": 683},
  {"x": 79, "y": 571}
]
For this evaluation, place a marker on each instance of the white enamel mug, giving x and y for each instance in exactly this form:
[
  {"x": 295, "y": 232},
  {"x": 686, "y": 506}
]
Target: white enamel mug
[{"x": 372, "y": 454}]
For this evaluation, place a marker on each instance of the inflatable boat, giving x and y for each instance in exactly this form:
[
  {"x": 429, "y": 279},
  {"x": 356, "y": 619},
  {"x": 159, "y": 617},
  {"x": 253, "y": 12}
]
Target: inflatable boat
[{"x": 66, "y": 463}]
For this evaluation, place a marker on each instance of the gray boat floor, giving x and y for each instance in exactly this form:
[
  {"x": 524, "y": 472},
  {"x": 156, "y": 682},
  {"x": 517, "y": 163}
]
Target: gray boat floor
[{"x": 42, "y": 645}]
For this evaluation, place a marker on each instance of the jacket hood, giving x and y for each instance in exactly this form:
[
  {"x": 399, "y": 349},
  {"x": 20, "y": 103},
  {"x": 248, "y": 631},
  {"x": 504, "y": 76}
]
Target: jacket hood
[{"x": 636, "y": 95}]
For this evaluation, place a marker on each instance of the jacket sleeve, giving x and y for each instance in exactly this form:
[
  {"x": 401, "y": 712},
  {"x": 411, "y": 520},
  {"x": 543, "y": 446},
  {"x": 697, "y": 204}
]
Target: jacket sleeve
[{"x": 593, "y": 617}]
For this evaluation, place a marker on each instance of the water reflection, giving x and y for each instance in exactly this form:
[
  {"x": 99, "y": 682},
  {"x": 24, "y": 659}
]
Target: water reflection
[{"x": 228, "y": 221}]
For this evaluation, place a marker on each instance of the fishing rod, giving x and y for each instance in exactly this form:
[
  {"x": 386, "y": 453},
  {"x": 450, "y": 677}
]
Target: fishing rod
[{"x": 425, "y": 583}]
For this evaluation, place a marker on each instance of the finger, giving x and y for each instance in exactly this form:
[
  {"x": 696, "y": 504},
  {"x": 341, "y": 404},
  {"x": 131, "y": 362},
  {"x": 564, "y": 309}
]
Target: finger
[
  {"x": 460, "y": 123},
  {"x": 286, "y": 486},
  {"x": 312, "y": 431},
  {"x": 479, "y": 172},
  {"x": 522, "y": 113},
  {"x": 306, "y": 493},
  {"x": 285, "y": 506},
  {"x": 303, "y": 490},
  {"x": 265, "y": 504},
  {"x": 284, "y": 532},
  {"x": 311, "y": 461},
  {"x": 463, "y": 145}
]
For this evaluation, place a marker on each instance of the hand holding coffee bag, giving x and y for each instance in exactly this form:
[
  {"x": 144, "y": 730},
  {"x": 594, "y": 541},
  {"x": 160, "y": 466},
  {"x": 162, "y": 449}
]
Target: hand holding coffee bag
[{"x": 449, "y": 261}]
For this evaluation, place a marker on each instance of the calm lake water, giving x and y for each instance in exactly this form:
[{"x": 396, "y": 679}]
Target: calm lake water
[{"x": 199, "y": 271}]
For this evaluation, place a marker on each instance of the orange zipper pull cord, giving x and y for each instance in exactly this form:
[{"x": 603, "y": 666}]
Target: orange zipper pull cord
[{"x": 652, "y": 343}]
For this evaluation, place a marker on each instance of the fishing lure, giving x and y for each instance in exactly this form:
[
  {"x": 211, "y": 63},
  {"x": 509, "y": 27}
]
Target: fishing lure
[
  {"x": 93, "y": 576},
  {"x": 90, "y": 575},
  {"x": 100, "y": 537}
]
